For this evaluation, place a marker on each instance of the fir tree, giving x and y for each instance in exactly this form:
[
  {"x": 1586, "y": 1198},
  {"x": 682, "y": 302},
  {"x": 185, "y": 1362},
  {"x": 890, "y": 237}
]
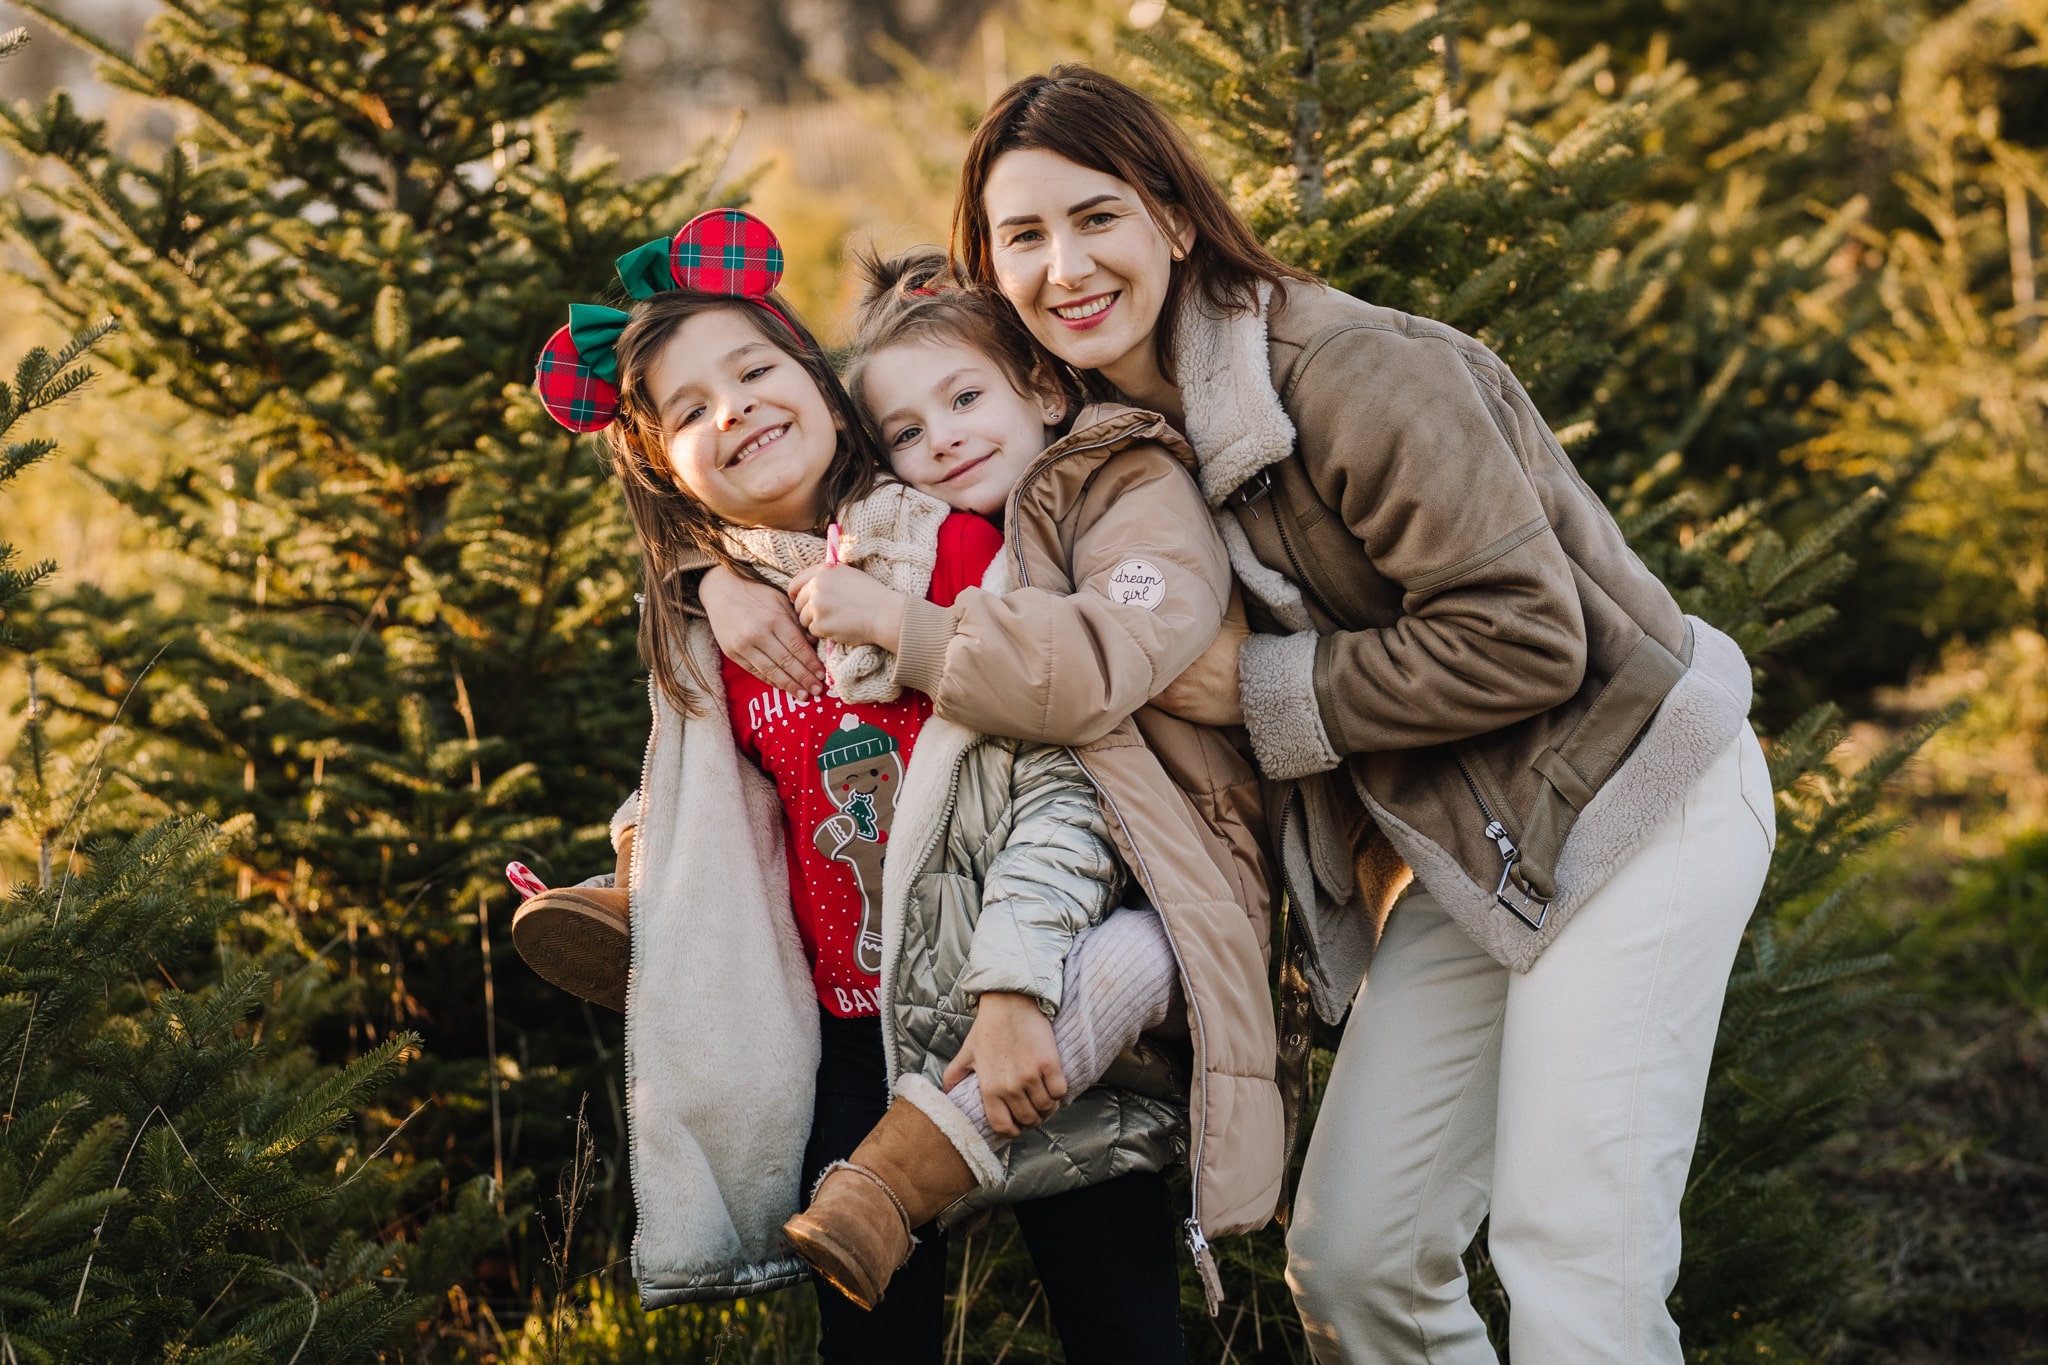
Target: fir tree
[
  {"x": 404, "y": 650},
  {"x": 174, "y": 1185},
  {"x": 40, "y": 379},
  {"x": 169, "y": 1156}
]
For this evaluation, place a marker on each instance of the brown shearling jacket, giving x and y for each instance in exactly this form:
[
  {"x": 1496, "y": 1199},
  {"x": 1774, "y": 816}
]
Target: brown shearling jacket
[{"x": 1457, "y": 651}]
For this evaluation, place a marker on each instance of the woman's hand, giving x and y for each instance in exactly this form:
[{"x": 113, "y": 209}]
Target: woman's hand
[
  {"x": 1011, "y": 1049},
  {"x": 757, "y": 630},
  {"x": 839, "y": 603},
  {"x": 1207, "y": 692}
]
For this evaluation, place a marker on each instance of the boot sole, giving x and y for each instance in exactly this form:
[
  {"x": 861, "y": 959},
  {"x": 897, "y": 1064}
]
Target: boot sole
[
  {"x": 830, "y": 1260},
  {"x": 577, "y": 948}
]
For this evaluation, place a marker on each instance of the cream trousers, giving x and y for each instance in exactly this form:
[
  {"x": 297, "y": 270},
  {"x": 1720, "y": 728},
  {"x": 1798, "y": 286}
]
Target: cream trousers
[{"x": 1564, "y": 1102}]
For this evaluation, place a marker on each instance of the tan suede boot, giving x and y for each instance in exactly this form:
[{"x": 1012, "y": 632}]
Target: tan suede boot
[
  {"x": 856, "y": 1233},
  {"x": 576, "y": 937}
]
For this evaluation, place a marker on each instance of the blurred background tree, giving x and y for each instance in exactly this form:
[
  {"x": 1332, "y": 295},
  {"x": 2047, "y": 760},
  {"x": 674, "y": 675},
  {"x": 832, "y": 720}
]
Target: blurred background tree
[
  {"x": 137, "y": 1001},
  {"x": 1771, "y": 272}
]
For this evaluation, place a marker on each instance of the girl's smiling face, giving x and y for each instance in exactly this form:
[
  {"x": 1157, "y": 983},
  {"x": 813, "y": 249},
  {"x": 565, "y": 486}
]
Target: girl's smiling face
[
  {"x": 745, "y": 429},
  {"x": 1082, "y": 261},
  {"x": 953, "y": 423}
]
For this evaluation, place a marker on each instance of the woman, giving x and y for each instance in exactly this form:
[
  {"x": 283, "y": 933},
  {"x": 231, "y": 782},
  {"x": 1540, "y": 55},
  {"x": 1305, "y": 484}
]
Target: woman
[{"x": 1455, "y": 665}]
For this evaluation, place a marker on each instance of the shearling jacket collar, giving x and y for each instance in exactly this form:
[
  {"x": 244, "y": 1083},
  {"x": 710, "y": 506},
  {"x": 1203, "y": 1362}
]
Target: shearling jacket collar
[{"x": 1234, "y": 418}]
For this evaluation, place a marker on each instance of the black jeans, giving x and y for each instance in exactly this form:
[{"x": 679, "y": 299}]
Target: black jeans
[{"x": 1106, "y": 1254}]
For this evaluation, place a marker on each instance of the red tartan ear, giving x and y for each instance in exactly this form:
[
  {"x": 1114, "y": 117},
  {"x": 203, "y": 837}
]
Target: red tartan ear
[
  {"x": 727, "y": 251},
  {"x": 571, "y": 393}
]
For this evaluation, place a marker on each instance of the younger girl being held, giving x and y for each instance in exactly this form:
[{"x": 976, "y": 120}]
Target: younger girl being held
[
  {"x": 787, "y": 976},
  {"x": 1113, "y": 579}
]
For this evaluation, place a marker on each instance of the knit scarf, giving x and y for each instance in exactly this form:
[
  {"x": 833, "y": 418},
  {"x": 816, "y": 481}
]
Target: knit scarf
[{"x": 891, "y": 535}]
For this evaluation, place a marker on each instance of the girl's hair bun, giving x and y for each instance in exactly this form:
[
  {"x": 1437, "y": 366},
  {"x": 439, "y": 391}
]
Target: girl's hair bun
[
  {"x": 915, "y": 296},
  {"x": 888, "y": 283}
]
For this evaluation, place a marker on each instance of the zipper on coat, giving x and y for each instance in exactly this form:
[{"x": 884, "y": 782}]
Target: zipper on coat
[
  {"x": 1509, "y": 856},
  {"x": 1205, "y": 1266},
  {"x": 633, "y": 951},
  {"x": 1287, "y": 543},
  {"x": 1198, "y": 1244},
  {"x": 886, "y": 995}
]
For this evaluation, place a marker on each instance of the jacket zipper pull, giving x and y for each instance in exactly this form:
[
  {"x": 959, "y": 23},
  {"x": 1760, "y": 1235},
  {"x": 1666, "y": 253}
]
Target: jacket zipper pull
[
  {"x": 1520, "y": 904},
  {"x": 1205, "y": 1267}
]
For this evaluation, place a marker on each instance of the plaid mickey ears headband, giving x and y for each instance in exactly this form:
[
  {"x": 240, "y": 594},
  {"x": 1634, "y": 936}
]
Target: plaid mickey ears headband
[{"x": 724, "y": 251}]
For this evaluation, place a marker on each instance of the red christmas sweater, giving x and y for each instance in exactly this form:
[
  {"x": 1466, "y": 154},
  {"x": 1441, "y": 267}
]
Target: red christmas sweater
[{"x": 838, "y": 769}]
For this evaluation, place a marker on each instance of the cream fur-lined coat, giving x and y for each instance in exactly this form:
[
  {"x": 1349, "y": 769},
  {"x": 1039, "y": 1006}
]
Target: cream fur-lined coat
[{"x": 722, "y": 1018}]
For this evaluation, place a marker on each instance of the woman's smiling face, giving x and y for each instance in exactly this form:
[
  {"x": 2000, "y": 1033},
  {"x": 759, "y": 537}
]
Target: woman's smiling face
[
  {"x": 952, "y": 422},
  {"x": 1082, "y": 261},
  {"x": 746, "y": 431}
]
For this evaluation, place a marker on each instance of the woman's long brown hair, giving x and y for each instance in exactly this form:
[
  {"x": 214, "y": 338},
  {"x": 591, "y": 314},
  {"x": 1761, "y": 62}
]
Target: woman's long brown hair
[
  {"x": 1097, "y": 121},
  {"x": 677, "y": 533}
]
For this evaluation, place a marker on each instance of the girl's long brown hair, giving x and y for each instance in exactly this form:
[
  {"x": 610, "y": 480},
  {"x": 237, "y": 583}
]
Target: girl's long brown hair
[
  {"x": 1097, "y": 121},
  {"x": 677, "y": 533}
]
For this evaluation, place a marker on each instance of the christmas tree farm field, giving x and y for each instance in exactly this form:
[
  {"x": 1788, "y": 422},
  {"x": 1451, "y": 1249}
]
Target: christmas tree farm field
[{"x": 281, "y": 1091}]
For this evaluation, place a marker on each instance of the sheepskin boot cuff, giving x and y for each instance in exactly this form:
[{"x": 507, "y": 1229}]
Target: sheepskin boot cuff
[
  {"x": 626, "y": 818},
  {"x": 857, "y": 1232}
]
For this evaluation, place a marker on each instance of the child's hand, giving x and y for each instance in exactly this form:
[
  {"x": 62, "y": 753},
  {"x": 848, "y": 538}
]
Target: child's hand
[
  {"x": 839, "y": 603},
  {"x": 756, "y": 629},
  {"x": 1010, "y": 1048}
]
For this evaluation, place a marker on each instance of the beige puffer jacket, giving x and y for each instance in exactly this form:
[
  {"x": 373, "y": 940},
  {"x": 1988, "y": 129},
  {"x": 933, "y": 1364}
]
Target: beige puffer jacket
[
  {"x": 1117, "y": 582},
  {"x": 722, "y": 1023}
]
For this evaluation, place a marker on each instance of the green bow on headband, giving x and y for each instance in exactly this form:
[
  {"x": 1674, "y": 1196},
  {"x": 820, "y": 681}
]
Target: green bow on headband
[
  {"x": 595, "y": 329},
  {"x": 645, "y": 270}
]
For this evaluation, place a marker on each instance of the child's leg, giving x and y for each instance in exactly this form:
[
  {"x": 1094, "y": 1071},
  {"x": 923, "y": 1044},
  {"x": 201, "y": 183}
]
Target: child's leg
[
  {"x": 1108, "y": 1258},
  {"x": 909, "y": 1324},
  {"x": 1119, "y": 982}
]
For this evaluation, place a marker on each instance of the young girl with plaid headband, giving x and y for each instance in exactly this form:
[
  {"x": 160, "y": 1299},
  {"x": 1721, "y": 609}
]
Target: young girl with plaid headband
[{"x": 784, "y": 978}]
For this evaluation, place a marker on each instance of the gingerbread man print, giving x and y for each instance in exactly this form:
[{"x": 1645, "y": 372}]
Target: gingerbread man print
[{"x": 861, "y": 770}]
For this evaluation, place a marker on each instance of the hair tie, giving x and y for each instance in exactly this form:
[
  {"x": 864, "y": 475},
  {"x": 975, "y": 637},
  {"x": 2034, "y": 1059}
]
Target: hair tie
[{"x": 724, "y": 251}]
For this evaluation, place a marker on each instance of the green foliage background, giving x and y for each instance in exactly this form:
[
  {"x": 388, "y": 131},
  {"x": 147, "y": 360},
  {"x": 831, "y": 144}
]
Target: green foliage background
[{"x": 1771, "y": 272}]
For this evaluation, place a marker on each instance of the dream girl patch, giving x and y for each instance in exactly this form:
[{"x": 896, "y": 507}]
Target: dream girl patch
[{"x": 1137, "y": 583}]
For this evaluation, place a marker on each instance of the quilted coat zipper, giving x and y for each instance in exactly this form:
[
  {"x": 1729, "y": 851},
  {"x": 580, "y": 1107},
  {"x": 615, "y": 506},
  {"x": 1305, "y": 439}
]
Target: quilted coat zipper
[{"x": 889, "y": 959}]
